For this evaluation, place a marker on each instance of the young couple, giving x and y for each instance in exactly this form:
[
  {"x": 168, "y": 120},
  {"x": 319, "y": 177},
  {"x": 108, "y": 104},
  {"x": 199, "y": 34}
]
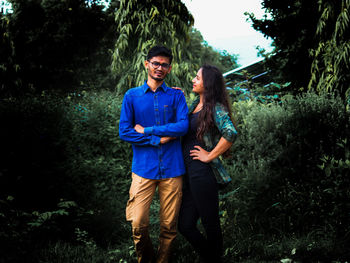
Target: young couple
[{"x": 186, "y": 172}]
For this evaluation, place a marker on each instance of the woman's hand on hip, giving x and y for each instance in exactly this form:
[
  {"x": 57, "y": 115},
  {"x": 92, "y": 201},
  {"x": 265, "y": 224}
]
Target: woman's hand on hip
[{"x": 200, "y": 154}]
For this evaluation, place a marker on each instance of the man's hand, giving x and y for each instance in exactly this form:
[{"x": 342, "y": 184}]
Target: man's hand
[
  {"x": 139, "y": 128},
  {"x": 164, "y": 140}
]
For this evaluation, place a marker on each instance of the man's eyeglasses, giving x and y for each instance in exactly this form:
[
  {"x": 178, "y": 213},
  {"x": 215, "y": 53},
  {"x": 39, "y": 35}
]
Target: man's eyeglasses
[{"x": 156, "y": 65}]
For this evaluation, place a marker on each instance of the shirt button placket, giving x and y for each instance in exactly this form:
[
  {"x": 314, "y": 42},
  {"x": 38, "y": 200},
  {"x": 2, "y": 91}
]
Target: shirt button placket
[{"x": 157, "y": 116}]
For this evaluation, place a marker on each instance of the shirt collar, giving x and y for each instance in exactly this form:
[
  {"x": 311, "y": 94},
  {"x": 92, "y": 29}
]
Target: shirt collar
[{"x": 146, "y": 87}]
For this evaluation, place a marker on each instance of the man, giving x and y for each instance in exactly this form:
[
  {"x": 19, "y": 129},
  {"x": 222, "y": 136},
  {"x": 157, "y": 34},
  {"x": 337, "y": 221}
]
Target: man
[{"x": 153, "y": 117}]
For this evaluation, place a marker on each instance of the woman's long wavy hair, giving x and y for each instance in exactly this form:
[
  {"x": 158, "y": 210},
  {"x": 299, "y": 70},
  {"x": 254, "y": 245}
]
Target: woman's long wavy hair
[{"x": 214, "y": 92}]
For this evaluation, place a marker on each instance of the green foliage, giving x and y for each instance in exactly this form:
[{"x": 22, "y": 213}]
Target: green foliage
[
  {"x": 141, "y": 25},
  {"x": 332, "y": 165},
  {"x": 255, "y": 91},
  {"x": 55, "y": 45},
  {"x": 67, "y": 46},
  {"x": 18, "y": 227},
  {"x": 99, "y": 161},
  {"x": 278, "y": 187},
  {"x": 65, "y": 252},
  {"x": 290, "y": 171},
  {"x": 67, "y": 148},
  {"x": 311, "y": 43},
  {"x": 292, "y": 26},
  {"x": 330, "y": 66},
  {"x": 65, "y": 174}
]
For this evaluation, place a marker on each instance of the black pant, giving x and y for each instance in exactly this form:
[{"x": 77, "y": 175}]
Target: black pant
[{"x": 200, "y": 200}]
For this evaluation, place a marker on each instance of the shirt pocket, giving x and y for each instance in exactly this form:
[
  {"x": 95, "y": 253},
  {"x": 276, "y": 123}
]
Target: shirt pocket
[{"x": 169, "y": 114}]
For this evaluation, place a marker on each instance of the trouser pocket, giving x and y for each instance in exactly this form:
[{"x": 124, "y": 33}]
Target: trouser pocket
[{"x": 129, "y": 208}]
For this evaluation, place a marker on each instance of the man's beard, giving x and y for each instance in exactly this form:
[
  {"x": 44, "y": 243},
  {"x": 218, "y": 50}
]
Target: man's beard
[{"x": 157, "y": 79}]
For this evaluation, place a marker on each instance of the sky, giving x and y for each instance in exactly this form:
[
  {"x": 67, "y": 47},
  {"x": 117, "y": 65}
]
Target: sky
[{"x": 223, "y": 25}]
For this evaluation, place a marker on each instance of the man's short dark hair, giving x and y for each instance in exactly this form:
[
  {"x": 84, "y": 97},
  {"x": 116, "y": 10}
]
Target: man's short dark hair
[{"x": 160, "y": 51}]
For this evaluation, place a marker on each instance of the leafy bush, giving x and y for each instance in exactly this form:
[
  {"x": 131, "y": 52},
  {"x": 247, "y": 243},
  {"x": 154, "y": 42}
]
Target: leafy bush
[
  {"x": 99, "y": 162},
  {"x": 55, "y": 149},
  {"x": 279, "y": 188},
  {"x": 65, "y": 177}
]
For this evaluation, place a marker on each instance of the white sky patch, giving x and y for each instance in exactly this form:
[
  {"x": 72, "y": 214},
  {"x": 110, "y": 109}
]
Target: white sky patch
[{"x": 224, "y": 26}]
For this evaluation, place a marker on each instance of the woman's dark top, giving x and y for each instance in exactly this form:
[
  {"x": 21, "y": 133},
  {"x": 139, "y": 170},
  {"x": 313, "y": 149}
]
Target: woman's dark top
[{"x": 188, "y": 143}]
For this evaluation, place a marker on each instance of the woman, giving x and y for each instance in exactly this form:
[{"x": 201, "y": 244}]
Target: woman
[{"x": 211, "y": 133}]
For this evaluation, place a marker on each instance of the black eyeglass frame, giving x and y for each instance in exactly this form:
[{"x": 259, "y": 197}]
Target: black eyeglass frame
[{"x": 156, "y": 65}]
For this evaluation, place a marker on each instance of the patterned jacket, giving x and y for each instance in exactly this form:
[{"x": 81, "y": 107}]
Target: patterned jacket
[{"x": 223, "y": 128}]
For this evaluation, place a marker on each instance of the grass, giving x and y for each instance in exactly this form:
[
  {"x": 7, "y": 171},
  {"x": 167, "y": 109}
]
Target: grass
[{"x": 283, "y": 250}]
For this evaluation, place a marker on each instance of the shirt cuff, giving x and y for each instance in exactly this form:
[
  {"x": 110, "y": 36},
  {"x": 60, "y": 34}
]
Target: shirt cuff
[
  {"x": 230, "y": 135},
  {"x": 155, "y": 140},
  {"x": 148, "y": 130}
]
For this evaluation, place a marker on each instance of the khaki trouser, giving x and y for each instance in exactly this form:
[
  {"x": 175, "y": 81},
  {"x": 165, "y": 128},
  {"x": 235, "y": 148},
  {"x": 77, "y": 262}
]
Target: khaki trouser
[{"x": 137, "y": 211}]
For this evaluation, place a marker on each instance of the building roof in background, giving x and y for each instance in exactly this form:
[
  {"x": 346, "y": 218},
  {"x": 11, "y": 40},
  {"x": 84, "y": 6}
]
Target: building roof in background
[{"x": 255, "y": 70}]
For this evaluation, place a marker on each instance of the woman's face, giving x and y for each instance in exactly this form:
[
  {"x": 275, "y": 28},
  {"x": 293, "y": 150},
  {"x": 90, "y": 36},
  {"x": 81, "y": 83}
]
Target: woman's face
[{"x": 198, "y": 83}]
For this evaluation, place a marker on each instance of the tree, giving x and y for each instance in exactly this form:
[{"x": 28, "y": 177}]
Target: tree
[
  {"x": 292, "y": 26},
  {"x": 54, "y": 43},
  {"x": 330, "y": 67},
  {"x": 143, "y": 24},
  {"x": 68, "y": 45},
  {"x": 8, "y": 68},
  {"x": 202, "y": 53},
  {"x": 311, "y": 40}
]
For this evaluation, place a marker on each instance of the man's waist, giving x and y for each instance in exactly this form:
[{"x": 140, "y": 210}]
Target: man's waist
[{"x": 158, "y": 169}]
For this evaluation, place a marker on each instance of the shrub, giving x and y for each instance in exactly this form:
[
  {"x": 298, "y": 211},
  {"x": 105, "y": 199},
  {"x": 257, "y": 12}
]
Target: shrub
[
  {"x": 100, "y": 163},
  {"x": 64, "y": 180},
  {"x": 63, "y": 148},
  {"x": 279, "y": 187}
]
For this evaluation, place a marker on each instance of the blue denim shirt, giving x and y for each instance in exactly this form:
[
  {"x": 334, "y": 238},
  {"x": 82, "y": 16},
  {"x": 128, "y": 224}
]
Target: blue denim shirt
[{"x": 162, "y": 113}]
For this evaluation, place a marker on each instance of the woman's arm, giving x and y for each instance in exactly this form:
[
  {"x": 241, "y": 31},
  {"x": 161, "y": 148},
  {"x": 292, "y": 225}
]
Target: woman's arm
[
  {"x": 224, "y": 123},
  {"x": 200, "y": 154}
]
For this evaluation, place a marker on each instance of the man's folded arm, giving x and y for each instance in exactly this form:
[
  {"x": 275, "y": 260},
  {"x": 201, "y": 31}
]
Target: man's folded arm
[
  {"x": 179, "y": 128},
  {"x": 126, "y": 128},
  {"x": 130, "y": 135}
]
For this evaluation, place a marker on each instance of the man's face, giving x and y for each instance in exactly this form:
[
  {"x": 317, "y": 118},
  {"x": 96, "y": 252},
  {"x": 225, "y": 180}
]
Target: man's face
[{"x": 158, "y": 67}]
